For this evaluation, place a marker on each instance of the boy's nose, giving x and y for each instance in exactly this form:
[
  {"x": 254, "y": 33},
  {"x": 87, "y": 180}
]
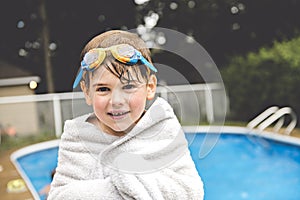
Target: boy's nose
[{"x": 117, "y": 98}]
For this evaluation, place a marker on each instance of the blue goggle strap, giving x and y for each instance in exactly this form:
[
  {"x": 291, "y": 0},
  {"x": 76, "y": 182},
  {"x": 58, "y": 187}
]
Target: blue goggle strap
[
  {"x": 80, "y": 73},
  {"x": 140, "y": 57},
  {"x": 78, "y": 78}
]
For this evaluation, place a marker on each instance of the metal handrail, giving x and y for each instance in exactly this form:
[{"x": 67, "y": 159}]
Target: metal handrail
[
  {"x": 272, "y": 115},
  {"x": 257, "y": 120},
  {"x": 279, "y": 114}
]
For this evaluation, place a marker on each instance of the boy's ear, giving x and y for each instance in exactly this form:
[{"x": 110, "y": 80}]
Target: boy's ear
[
  {"x": 85, "y": 90},
  {"x": 151, "y": 87}
]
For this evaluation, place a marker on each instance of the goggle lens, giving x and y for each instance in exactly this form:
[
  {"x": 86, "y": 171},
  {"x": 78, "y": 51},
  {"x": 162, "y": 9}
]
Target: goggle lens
[
  {"x": 92, "y": 59},
  {"x": 124, "y": 53}
]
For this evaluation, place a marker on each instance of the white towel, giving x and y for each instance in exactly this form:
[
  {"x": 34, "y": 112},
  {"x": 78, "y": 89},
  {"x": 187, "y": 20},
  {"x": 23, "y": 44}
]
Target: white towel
[{"x": 150, "y": 162}]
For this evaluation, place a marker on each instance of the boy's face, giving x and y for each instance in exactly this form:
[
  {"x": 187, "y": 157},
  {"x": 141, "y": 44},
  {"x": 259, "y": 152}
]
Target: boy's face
[{"x": 118, "y": 106}]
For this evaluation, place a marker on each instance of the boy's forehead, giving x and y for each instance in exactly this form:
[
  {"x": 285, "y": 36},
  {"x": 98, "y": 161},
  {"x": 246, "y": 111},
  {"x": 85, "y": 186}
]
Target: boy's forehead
[{"x": 103, "y": 74}]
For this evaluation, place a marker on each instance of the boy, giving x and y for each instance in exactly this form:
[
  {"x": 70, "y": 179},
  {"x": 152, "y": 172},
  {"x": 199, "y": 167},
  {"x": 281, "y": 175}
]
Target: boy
[{"x": 121, "y": 150}]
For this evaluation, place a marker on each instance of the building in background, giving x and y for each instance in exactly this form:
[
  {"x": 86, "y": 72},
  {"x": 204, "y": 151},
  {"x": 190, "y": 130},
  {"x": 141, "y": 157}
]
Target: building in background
[{"x": 17, "y": 118}]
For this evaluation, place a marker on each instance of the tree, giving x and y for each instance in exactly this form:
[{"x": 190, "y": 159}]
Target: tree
[
  {"x": 45, "y": 38},
  {"x": 260, "y": 79}
]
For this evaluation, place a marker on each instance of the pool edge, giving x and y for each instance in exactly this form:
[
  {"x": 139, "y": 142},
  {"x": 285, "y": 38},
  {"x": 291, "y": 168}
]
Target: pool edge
[
  {"x": 243, "y": 130},
  {"x": 26, "y": 150}
]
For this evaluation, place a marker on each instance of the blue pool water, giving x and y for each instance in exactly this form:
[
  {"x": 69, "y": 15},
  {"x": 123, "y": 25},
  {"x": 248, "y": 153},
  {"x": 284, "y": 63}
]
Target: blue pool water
[
  {"x": 38, "y": 167},
  {"x": 248, "y": 167},
  {"x": 238, "y": 167}
]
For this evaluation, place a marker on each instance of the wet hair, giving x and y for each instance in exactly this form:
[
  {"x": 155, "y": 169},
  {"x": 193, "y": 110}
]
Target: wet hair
[{"x": 123, "y": 71}]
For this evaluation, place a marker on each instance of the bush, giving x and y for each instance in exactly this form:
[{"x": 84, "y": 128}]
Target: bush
[{"x": 261, "y": 79}]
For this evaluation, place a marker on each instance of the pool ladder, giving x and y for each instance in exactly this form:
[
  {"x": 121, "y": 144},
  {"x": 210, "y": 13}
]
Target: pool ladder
[{"x": 271, "y": 115}]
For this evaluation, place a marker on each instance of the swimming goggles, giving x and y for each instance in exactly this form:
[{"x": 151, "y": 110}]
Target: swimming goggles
[{"x": 124, "y": 53}]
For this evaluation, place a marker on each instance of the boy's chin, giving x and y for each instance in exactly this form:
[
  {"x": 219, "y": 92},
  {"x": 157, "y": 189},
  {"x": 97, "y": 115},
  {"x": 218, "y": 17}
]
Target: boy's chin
[{"x": 122, "y": 130}]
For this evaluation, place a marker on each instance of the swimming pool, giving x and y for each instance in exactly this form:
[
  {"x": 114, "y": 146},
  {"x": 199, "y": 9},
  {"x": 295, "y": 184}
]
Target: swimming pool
[
  {"x": 249, "y": 167},
  {"x": 239, "y": 166},
  {"x": 35, "y": 164}
]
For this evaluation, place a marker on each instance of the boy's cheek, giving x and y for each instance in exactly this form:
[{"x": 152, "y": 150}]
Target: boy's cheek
[{"x": 99, "y": 105}]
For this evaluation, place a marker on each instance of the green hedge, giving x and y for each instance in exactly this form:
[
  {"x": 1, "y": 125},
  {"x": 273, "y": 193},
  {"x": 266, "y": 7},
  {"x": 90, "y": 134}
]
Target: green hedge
[{"x": 261, "y": 79}]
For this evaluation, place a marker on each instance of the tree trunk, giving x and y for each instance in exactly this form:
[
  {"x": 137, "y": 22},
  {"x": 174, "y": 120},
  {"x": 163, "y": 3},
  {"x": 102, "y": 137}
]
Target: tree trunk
[{"x": 45, "y": 39}]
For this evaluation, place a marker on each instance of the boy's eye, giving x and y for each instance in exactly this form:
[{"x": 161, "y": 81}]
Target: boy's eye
[
  {"x": 103, "y": 89},
  {"x": 129, "y": 86}
]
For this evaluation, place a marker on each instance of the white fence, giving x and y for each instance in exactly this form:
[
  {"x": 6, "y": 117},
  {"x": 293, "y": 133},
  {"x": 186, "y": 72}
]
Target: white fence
[{"x": 193, "y": 104}]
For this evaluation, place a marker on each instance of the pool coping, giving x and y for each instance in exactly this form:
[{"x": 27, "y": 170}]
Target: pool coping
[
  {"x": 187, "y": 129},
  {"x": 243, "y": 130}
]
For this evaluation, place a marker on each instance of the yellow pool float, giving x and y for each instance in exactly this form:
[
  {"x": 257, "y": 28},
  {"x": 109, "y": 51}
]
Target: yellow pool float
[{"x": 16, "y": 186}]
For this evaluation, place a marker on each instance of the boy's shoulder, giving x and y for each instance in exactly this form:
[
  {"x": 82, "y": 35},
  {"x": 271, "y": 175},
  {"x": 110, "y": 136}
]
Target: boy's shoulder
[
  {"x": 161, "y": 106},
  {"x": 82, "y": 118},
  {"x": 77, "y": 121}
]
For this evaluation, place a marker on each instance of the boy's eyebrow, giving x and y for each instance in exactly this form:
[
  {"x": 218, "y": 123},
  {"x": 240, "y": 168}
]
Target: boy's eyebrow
[
  {"x": 107, "y": 84},
  {"x": 126, "y": 81},
  {"x": 131, "y": 81},
  {"x": 100, "y": 84}
]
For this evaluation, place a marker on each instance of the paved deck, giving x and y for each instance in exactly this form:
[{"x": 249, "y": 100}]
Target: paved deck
[{"x": 7, "y": 174}]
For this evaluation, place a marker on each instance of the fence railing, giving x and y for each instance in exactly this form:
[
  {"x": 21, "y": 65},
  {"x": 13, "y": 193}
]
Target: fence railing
[{"x": 193, "y": 104}]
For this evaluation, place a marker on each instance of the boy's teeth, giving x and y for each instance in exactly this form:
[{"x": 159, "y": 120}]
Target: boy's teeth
[{"x": 117, "y": 114}]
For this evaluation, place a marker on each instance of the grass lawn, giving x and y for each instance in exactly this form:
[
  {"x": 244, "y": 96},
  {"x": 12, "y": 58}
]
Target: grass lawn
[{"x": 17, "y": 142}]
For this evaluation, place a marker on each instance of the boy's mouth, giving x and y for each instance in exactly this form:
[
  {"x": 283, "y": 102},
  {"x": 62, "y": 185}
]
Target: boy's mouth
[{"x": 118, "y": 114}]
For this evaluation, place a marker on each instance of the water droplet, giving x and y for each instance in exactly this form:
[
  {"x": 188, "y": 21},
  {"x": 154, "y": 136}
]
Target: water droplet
[
  {"x": 101, "y": 18},
  {"x": 190, "y": 39},
  {"x": 36, "y": 45},
  {"x": 141, "y": 29},
  {"x": 140, "y": 2},
  {"x": 20, "y": 24},
  {"x": 236, "y": 26},
  {"x": 241, "y": 6},
  {"x": 151, "y": 21},
  {"x": 173, "y": 6},
  {"x": 28, "y": 45},
  {"x": 191, "y": 4},
  {"x": 23, "y": 53},
  {"x": 234, "y": 10},
  {"x": 161, "y": 39},
  {"x": 33, "y": 16},
  {"x": 52, "y": 46}
]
